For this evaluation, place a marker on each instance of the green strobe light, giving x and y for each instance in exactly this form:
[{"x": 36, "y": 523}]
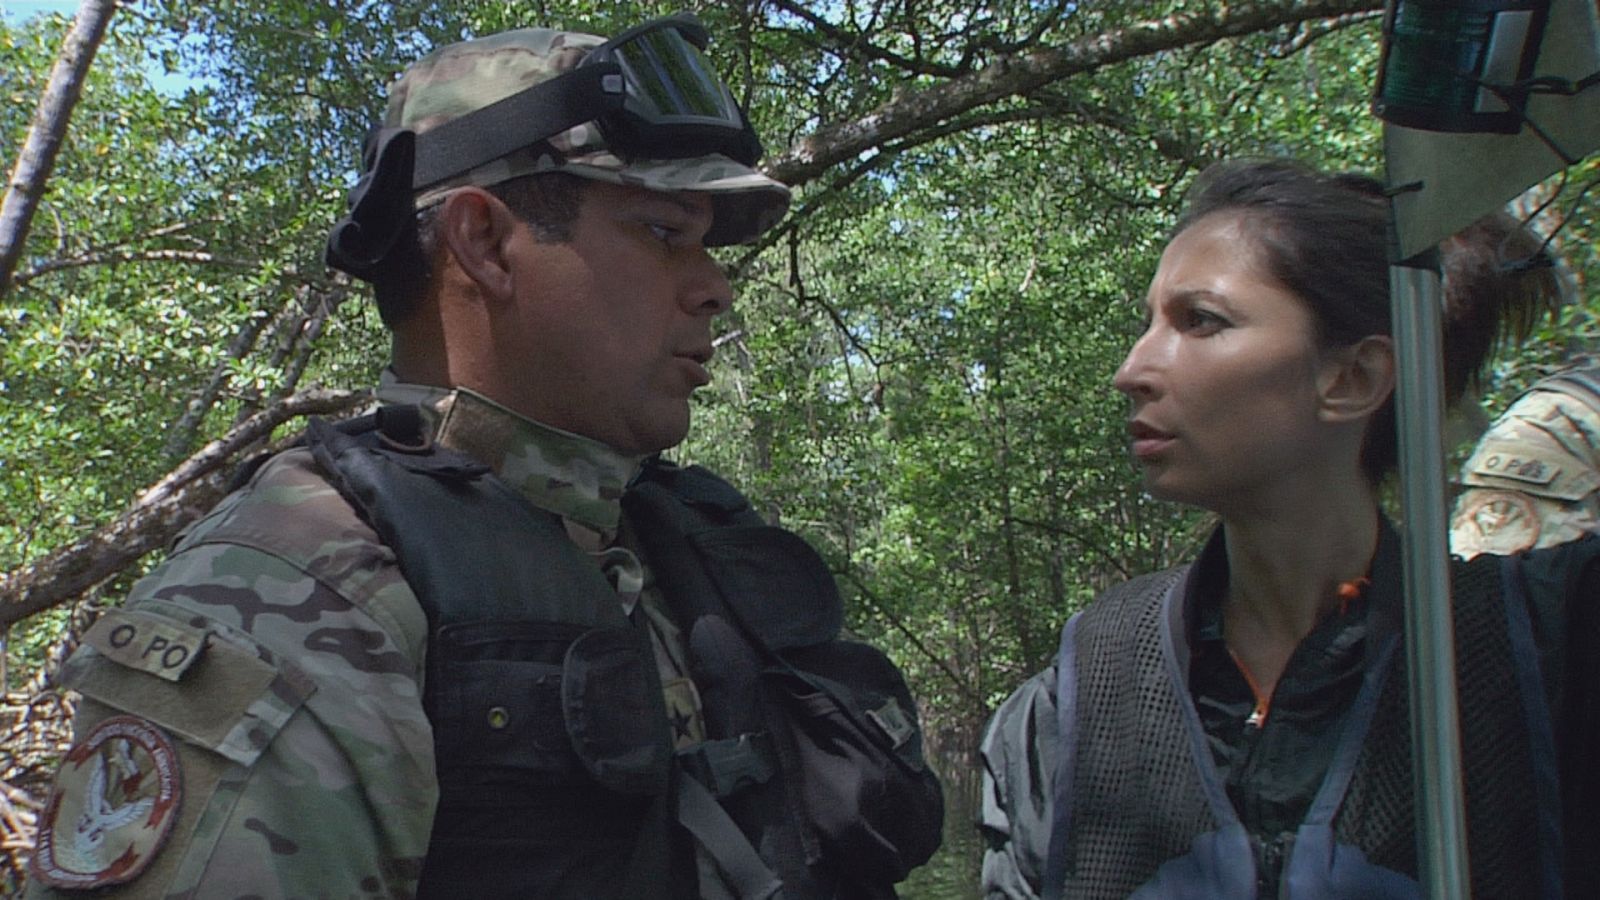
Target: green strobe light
[{"x": 1458, "y": 66}]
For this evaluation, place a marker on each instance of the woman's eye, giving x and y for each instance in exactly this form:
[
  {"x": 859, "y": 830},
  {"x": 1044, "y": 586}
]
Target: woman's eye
[{"x": 1202, "y": 321}]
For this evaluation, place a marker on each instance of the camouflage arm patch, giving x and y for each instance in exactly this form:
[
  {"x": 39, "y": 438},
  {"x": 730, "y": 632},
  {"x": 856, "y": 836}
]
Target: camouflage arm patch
[
  {"x": 148, "y": 673},
  {"x": 1532, "y": 481},
  {"x": 282, "y": 651},
  {"x": 145, "y": 868},
  {"x": 228, "y": 700},
  {"x": 1538, "y": 447}
]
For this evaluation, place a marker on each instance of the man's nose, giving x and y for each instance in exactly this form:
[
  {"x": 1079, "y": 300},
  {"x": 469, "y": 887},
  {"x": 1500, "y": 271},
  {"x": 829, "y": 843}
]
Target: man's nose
[{"x": 706, "y": 290}]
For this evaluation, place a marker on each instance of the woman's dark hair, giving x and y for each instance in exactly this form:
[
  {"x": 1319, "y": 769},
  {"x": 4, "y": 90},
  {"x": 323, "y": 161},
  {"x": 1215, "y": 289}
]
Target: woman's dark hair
[
  {"x": 1325, "y": 238},
  {"x": 548, "y": 202}
]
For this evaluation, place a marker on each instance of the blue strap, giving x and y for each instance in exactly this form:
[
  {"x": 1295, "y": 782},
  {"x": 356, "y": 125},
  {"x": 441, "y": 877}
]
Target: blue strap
[
  {"x": 1174, "y": 652},
  {"x": 1218, "y": 866},
  {"x": 1343, "y": 765},
  {"x": 1541, "y": 733},
  {"x": 1055, "y": 863},
  {"x": 1318, "y": 866}
]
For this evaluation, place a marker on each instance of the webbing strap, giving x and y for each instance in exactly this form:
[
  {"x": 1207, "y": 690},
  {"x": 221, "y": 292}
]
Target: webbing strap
[
  {"x": 702, "y": 816},
  {"x": 729, "y": 765},
  {"x": 520, "y": 120},
  {"x": 1358, "y": 722}
]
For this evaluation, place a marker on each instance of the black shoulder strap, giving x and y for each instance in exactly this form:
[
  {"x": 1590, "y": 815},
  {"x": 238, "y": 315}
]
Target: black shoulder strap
[
  {"x": 454, "y": 527},
  {"x": 702, "y": 537},
  {"x": 354, "y": 427}
]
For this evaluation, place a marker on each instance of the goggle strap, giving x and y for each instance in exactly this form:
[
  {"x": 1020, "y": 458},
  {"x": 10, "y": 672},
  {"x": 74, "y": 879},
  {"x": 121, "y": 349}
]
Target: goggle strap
[
  {"x": 372, "y": 241},
  {"x": 563, "y": 102}
]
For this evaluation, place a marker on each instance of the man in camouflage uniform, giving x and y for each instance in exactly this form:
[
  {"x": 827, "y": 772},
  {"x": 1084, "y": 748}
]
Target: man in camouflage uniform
[
  {"x": 1534, "y": 478},
  {"x": 252, "y": 720}
]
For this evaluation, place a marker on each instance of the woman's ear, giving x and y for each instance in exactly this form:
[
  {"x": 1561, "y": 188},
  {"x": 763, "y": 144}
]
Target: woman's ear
[
  {"x": 1356, "y": 380},
  {"x": 475, "y": 230}
]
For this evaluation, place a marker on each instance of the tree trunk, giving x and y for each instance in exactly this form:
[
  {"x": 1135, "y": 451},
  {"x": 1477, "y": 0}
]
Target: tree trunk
[{"x": 38, "y": 155}]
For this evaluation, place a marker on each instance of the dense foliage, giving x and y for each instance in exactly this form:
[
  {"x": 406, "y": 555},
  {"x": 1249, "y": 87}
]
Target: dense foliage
[{"x": 916, "y": 376}]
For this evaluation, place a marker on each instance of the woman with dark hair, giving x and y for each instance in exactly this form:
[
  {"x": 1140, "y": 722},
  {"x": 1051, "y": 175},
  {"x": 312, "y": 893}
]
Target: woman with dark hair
[{"x": 1239, "y": 727}]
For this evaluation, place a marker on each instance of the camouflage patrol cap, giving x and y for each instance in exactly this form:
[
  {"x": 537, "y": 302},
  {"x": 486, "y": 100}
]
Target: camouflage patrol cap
[{"x": 461, "y": 78}]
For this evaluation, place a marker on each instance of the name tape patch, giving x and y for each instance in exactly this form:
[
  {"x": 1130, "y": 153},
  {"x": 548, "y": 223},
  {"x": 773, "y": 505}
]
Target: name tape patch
[
  {"x": 1520, "y": 468},
  {"x": 151, "y": 644}
]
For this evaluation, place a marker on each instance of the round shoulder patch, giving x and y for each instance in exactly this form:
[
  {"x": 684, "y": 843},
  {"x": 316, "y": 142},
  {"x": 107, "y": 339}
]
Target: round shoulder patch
[
  {"x": 114, "y": 801},
  {"x": 1499, "y": 522}
]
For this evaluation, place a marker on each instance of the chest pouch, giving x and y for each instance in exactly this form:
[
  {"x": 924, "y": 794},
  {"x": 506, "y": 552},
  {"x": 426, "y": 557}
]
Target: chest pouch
[
  {"x": 846, "y": 719},
  {"x": 545, "y": 702},
  {"x": 868, "y": 794}
]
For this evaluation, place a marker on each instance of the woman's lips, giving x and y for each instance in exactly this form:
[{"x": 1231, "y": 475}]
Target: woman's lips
[{"x": 1148, "y": 441}]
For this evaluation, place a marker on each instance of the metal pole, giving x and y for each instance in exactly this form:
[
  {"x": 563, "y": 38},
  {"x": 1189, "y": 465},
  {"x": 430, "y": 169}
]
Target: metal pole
[{"x": 1430, "y": 634}]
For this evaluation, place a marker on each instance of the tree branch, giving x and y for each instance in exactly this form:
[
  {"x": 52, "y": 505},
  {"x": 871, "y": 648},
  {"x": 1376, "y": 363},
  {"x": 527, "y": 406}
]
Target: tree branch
[
  {"x": 1022, "y": 73},
  {"x": 296, "y": 341},
  {"x": 1080, "y": 540},
  {"x": 1176, "y": 147},
  {"x": 847, "y": 44},
  {"x": 156, "y": 515},
  {"x": 38, "y": 156},
  {"x": 182, "y": 434},
  {"x": 111, "y": 258}
]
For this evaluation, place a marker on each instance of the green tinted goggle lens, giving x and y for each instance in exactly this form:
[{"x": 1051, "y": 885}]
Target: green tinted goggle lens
[{"x": 669, "y": 80}]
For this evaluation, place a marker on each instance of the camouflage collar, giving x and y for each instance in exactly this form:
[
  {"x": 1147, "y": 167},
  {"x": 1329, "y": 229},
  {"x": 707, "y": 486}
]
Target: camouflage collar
[{"x": 568, "y": 474}]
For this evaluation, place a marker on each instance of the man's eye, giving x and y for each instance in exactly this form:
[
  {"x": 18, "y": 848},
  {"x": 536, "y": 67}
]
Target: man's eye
[{"x": 662, "y": 233}]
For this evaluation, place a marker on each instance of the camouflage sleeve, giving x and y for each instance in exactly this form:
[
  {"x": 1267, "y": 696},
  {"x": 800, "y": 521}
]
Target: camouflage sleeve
[
  {"x": 251, "y": 723},
  {"x": 1532, "y": 479},
  {"x": 1018, "y": 752}
]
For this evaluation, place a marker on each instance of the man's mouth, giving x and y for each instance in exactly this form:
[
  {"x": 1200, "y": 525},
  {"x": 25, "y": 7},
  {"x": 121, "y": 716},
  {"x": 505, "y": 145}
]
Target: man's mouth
[{"x": 694, "y": 361}]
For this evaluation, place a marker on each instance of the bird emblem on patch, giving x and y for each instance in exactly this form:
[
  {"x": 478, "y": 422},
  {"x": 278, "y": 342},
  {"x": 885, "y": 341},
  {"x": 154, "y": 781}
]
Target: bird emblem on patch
[
  {"x": 1505, "y": 518},
  {"x": 114, "y": 801}
]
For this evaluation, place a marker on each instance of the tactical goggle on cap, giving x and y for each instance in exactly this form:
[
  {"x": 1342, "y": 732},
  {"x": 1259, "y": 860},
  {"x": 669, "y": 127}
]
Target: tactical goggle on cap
[{"x": 644, "y": 108}]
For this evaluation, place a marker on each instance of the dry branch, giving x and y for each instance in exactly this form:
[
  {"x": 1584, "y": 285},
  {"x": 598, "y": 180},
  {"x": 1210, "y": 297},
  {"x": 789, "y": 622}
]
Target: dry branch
[
  {"x": 156, "y": 515},
  {"x": 120, "y": 257},
  {"x": 35, "y": 730}
]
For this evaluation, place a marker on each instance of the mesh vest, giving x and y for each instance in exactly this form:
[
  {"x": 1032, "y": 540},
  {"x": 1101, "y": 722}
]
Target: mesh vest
[{"x": 1136, "y": 799}]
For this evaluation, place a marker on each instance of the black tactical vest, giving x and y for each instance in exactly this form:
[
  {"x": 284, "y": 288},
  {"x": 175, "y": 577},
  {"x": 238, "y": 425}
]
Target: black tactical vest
[{"x": 555, "y": 773}]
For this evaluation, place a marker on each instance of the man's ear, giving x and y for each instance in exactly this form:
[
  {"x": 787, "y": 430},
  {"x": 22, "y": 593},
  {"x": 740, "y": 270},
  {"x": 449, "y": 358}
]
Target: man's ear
[
  {"x": 475, "y": 229},
  {"x": 1355, "y": 381}
]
